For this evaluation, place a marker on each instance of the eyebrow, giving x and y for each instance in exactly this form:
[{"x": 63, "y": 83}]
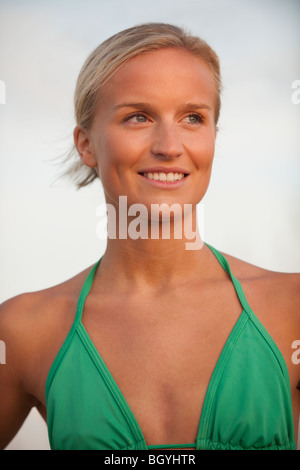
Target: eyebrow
[{"x": 190, "y": 106}]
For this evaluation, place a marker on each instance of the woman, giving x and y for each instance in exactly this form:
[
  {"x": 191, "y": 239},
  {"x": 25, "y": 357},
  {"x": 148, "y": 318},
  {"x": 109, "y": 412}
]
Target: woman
[{"x": 156, "y": 345}]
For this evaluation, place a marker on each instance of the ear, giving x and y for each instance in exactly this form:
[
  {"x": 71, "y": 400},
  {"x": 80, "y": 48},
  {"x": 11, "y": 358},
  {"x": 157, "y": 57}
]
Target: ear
[{"x": 84, "y": 147}]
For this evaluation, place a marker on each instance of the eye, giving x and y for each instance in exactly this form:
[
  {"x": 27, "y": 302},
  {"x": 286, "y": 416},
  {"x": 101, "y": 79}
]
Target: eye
[
  {"x": 194, "y": 119},
  {"x": 136, "y": 118}
]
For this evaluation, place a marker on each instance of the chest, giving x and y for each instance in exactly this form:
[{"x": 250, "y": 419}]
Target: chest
[{"x": 161, "y": 354}]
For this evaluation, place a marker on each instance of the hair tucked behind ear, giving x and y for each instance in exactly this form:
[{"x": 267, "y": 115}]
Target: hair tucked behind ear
[{"x": 110, "y": 55}]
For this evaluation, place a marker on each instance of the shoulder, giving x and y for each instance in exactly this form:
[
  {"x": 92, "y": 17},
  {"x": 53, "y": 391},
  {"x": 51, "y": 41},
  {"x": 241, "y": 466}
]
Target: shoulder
[
  {"x": 33, "y": 325},
  {"x": 272, "y": 288},
  {"x": 274, "y": 297}
]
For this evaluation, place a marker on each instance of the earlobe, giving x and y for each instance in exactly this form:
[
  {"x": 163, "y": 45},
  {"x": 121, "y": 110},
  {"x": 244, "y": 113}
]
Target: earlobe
[{"x": 84, "y": 147}]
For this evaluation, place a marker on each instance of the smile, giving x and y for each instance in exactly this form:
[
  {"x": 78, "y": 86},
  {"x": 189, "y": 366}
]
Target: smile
[{"x": 161, "y": 176}]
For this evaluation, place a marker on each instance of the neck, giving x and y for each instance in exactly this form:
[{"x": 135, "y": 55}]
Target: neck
[{"x": 156, "y": 257}]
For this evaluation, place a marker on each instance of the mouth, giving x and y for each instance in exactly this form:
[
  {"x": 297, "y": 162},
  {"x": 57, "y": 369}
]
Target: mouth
[{"x": 165, "y": 175}]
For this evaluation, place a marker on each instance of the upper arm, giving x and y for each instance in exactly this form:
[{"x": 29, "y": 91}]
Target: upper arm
[{"x": 15, "y": 402}]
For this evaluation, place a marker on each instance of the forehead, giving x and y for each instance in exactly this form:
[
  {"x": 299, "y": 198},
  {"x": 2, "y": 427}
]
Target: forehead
[{"x": 165, "y": 73}]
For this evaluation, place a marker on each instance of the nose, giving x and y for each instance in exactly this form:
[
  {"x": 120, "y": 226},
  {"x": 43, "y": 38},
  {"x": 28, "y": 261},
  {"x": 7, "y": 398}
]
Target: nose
[{"x": 166, "y": 142}]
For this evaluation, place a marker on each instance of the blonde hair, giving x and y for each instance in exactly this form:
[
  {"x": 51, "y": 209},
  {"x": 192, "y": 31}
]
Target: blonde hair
[{"x": 114, "y": 52}]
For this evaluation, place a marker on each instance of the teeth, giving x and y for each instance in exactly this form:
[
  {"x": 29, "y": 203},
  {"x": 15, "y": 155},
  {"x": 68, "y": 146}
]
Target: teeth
[{"x": 170, "y": 177}]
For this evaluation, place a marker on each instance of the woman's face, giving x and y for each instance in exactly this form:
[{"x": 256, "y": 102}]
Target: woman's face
[{"x": 153, "y": 134}]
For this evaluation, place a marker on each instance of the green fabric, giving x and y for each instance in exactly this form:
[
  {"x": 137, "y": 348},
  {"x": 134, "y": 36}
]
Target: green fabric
[{"x": 247, "y": 403}]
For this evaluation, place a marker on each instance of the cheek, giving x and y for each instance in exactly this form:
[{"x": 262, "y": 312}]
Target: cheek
[
  {"x": 109, "y": 155},
  {"x": 116, "y": 155},
  {"x": 119, "y": 149},
  {"x": 204, "y": 149}
]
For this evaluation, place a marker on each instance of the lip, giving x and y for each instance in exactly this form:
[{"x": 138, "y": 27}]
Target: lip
[
  {"x": 165, "y": 184},
  {"x": 163, "y": 169}
]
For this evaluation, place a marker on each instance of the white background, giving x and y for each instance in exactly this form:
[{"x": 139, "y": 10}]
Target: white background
[{"x": 48, "y": 232}]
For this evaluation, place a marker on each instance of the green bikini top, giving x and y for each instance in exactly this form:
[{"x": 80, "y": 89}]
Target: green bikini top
[{"x": 247, "y": 403}]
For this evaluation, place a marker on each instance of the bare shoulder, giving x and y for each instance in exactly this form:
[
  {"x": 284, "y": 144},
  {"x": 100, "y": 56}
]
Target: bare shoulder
[
  {"x": 33, "y": 326},
  {"x": 29, "y": 311},
  {"x": 274, "y": 298},
  {"x": 271, "y": 288}
]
